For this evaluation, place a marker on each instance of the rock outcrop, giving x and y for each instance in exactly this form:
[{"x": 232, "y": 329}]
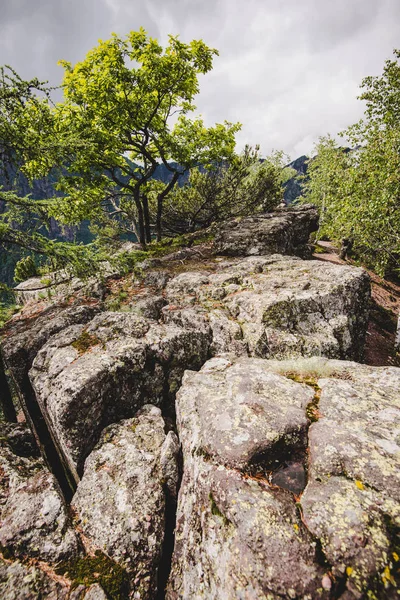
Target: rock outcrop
[
  {"x": 89, "y": 376},
  {"x": 289, "y": 484},
  {"x": 34, "y": 518},
  {"x": 120, "y": 502},
  {"x": 244, "y": 529},
  {"x": 281, "y": 232},
  {"x": 276, "y": 306}
]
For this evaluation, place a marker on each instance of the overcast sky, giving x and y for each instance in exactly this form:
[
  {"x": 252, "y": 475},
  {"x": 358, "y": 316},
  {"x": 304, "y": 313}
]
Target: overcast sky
[{"x": 288, "y": 70}]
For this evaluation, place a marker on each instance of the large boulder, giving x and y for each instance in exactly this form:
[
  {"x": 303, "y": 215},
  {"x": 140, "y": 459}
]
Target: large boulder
[
  {"x": 245, "y": 528},
  {"x": 276, "y": 306},
  {"x": 120, "y": 501},
  {"x": 285, "y": 231},
  {"x": 23, "y": 336},
  {"x": 351, "y": 502},
  {"x": 87, "y": 377}
]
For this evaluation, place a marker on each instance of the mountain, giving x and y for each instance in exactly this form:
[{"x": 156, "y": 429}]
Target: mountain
[{"x": 293, "y": 187}]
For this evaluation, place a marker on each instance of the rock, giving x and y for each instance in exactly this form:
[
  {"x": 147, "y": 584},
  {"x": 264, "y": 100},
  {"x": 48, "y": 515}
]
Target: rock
[
  {"x": 242, "y": 414},
  {"x": 120, "y": 501},
  {"x": 236, "y": 536},
  {"x": 157, "y": 279},
  {"x": 243, "y": 427},
  {"x": 34, "y": 517},
  {"x": 285, "y": 231},
  {"x": 29, "y": 583},
  {"x": 88, "y": 377},
  {"x": 19, "y": 439},
  {"x": 352, "y": 499},
  {"x": 150, "y": 307},
  {"x": 278, "y": 307},
  {"x": 23, "y": 337}
]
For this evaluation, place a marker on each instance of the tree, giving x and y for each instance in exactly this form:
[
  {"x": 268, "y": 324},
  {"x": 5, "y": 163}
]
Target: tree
[
  {"x": 125, "y": 110},
  {"x": 24, "y": 222},
  {"x": 246, "y": 185},
  {"x": 358, "y": 189}
]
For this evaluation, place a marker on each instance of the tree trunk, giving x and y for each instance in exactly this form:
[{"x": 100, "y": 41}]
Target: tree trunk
[
  {"x": 146, "y": 219},
  {"x": 141, "y": 229},
  {"x": 397, "y": 339},
  {"x": 6, "y": 402},
  {"x": 158, "y": 219},
  {"x": 160, "y": 200}
]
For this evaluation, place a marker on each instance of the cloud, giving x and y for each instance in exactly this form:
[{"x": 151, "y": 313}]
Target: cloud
[{"x": 289, "y": 72}]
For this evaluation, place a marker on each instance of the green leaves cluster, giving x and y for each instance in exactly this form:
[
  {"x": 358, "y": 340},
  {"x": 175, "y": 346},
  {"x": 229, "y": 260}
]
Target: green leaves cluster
[
  {"x": 358, "y": 188},
  {"x": 125, "y": 111},
  {"x": 244, "y": 186},
  {"x": 24, "y": 223}
]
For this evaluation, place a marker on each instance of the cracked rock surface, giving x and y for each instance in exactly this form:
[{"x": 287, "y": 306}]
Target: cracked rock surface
[
  {"x": 283, "y": 231},
  {"x": 277, "y": 307},
  {"x": 34, "y": 517},
  {"x": 131, "y": 361},
  {"x": 120, "y": 500},
  {"x": 241, "y": 534}
]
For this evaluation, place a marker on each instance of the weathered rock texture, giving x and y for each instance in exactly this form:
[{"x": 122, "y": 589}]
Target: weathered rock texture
[
  {"x": 22, "y": 582},
  {"x": 87, "y": 377},
  {"x": 270, "y": 505},
  {"x": 281, "y": 232},
  {"x": 34, "y": 518},
  {"x": 276, "y": 307},
  {"x": 120, "y": 502},
  {"x": 239, "y": 533}
]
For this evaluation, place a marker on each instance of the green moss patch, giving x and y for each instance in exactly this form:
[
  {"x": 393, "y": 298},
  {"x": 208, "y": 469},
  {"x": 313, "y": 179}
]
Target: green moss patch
[
  {"x": 100, "y": 569},
  {"x": 85, "y": 341}
]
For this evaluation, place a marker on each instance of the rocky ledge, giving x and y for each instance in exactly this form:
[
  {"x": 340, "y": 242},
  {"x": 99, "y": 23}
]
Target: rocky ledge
[
  {"x": 291, "y": 480},
  {"x": 234, "y": 358}
]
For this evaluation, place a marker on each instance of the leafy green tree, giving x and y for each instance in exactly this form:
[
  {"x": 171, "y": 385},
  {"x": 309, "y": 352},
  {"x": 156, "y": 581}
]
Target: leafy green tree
[
  {"x": 125, "y": 111},
  {"x": 245, "y": 185},
  {"x": 24, "y": 223},
  {"x": 358, "y": 188}
]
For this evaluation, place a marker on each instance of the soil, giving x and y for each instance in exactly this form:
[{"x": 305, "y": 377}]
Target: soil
[{"x": 385, "y": 309}]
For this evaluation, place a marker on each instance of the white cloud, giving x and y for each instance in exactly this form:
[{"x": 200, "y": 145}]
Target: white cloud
[{"x": 289, "y": 72}]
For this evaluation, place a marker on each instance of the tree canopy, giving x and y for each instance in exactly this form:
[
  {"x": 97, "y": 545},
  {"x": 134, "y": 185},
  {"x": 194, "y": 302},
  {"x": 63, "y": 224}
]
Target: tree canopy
[
  {"x": 24, "y": 222},
  {"x": 358, "y": 186},
  {"x": 126, "y": 110},
  {"x": 243, "y": 186}
]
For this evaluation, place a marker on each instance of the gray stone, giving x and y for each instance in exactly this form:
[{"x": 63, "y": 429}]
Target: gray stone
[
  {"x": 150, "y": 307},
  {"x": 25, "y": 335},
  {"x": 34, "y": 517},
  {"x": 237, "y": 536},
  {"x": 278, "y": 307},
  {"x": 120, "y": 501},
  {"x": 18, "y": 581},
  {"x": 129, "y": 362},
  {"x": 242, "y": 424},
  {"x": 284, "y": 231},
  {"x": 352, "y": 499},
  {"x": 239, "y": 415}
]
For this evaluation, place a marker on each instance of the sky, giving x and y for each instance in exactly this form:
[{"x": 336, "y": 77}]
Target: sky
[{"x": 288, "y": 70}]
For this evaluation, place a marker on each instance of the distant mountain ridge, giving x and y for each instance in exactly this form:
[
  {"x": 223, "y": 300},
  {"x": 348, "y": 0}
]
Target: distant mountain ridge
[{"x": 294, "y": 186}]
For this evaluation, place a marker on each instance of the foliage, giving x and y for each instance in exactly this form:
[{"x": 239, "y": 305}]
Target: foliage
[
  {"x": 125, "y": 111},
  {"x": 358, "y": 190},
  {"x": 25, "y": 268},
  {"x": 23, "y": 221},
  {"x": 241, "y": 187}
]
